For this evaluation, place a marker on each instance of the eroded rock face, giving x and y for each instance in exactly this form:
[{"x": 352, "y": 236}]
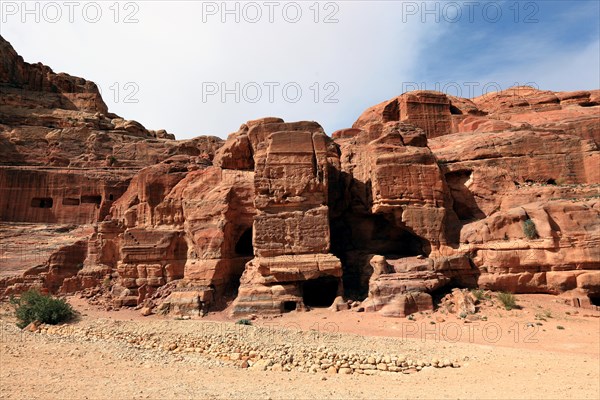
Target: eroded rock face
[
  {"x": 425, "y": 193},
  {"x": 64, "y": 159},
  {"x": 291, "y": 233},
  {"x": 49, "y": 119},
  {"x": 424, "y": 109}
]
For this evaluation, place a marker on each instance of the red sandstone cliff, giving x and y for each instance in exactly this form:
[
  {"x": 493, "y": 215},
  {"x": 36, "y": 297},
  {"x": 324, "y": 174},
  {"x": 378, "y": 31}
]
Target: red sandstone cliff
[{"x": 424, "y": 193}]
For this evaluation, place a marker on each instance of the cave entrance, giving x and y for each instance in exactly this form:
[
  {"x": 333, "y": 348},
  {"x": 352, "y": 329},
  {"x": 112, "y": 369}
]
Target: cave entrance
[
  {"x": 320, "y": 292},
  {"x": 289, "y": 306},
  {"x": 464, "y": 203},
  {"x": 391, "y": 240},
  {"x": 595, "y": 299},
  {"x": 243, "y": 247},
  {"x": 455, "y": 110},
  {"x": 355, "y": 238},
  {"x": 42, "y": 202}
]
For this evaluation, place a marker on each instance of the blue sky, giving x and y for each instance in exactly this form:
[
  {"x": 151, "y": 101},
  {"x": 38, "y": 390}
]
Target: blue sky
[{"x": 167, "y": 67}]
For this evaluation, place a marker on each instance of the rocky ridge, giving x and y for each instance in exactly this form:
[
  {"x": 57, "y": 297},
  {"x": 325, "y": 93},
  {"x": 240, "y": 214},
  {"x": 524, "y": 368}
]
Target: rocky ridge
[{"x": 426, "y": 192}]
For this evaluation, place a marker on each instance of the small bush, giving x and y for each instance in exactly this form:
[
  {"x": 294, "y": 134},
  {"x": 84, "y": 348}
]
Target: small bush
[
  {"x": 480, "y": 294},
  {"x": 560, "y": 327},
  {"x": 244, "y": 322},
  {"x": 508, "y": 300},
  {"x": 529, "y": 229},
  {"x": 34, "y": 306}
]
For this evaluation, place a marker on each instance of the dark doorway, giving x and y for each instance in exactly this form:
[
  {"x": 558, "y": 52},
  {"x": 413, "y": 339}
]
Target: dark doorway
[
  {"x": 595, "y": 299},
  {"x": 355, "y": 238},
  {"x": 42, "y": 202},
  {"x": 289, "y": 306},
  {"x": 243, "y": 247},
  {"x": 320, "y": 292},
  {"x": 92, "y": 199},
  {"x": 455, "y": 110}
]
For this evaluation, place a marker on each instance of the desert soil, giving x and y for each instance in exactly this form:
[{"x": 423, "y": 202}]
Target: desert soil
[{"x": 504, "y": 357}]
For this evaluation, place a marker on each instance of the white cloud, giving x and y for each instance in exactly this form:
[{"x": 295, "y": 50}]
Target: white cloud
[
  {"x": 552, "y": 67},
  {"x": 171, "y": 53}
]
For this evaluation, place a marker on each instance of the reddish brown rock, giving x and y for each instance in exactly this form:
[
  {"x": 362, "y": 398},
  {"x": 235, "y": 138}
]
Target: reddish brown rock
[
  {"x": 424, "y": 109},
  {"x": 291, "y": 230},
  {"x": 424, "y": 193}
]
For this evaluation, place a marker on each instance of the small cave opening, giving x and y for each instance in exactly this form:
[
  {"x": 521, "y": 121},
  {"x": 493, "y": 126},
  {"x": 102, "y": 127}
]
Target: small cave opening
[
  {"x": 551, "y": 182},
  {"x": 111, "y": 197},
  {"x": 320, "y": 292},
  {"x": 355, "y": 238},
  {"x": 91, "y": 199},
  {"x": 455, "y": 110},
  {"x": 389, "y": 239},
  {"x": 69, "y": 201},
  {"x": 438, "y": 294},
  {"x": 289, "y": 306},
  {"x": 243, "y": 247},
  {"x": 595, "y": 299},
  {"x": 464, "y": 203},
  {"x": 42, "y": 202}
]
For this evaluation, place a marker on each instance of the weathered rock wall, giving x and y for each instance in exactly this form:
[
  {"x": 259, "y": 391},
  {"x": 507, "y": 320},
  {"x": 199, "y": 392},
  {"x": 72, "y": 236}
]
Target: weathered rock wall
[{"x": 426, "y": 192}]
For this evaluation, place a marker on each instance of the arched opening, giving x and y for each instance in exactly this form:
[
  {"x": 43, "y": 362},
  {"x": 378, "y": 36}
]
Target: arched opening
[
  {"x": 595, "y": 299},
  {"x": 243, "y": 247},
  {"x": 320, "y": 292},
  {"x": 551, "y": 182},
  {"x": 455, "y": 110}
]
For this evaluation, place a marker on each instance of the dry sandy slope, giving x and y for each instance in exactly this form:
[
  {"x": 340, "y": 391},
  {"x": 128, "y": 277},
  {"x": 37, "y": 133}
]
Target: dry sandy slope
[{"x": 40, "y": 366}]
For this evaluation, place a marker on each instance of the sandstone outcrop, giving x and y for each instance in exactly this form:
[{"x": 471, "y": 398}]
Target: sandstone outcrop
[
  {"x": 292, "y": 267},
  {"x": 424, "y": 194}
]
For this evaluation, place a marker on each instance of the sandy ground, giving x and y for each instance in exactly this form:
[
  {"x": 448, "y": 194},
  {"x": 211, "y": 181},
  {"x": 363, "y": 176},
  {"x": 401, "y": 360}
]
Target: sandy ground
[{"x": 552, "y": 364}]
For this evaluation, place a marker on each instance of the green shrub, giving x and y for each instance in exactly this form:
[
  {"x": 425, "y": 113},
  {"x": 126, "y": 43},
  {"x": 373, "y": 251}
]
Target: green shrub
[
  {"x": 34, "y": 306},
  {"x": 480, "y": 294},
  {"x": 244, "y": 322},
  {"x": 560, "y": 327},
  {"x": 508, "y": 300},
  {"x": 529, "y": 229}
]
